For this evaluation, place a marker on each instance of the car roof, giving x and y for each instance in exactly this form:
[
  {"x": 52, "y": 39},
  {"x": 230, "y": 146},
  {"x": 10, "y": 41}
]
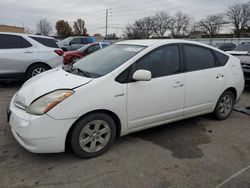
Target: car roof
[
  {"x": 27, "y": 35},
  {"x": 152, "y": 42}
]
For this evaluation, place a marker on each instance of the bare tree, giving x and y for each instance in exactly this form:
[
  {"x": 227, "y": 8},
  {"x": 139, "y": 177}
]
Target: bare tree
[
  {"x": 79, "y": 27},
  {"x": 132, "y": 32},
  {"x": 28, "y": 30},
  {"x": 181, "y": 23},
  {"x": 44, "y": 27},
  {"x": 141, "y": 29},
  {"x": 144, "y": 27},
  {"x": 162, "y": 22},
  {"x": 239, "y": 16},
  {"x": 212, "y": 24}
]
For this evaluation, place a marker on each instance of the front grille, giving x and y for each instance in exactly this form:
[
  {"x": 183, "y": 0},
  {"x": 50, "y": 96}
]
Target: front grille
[
  {"x": 247, "y": 75},
  {"x": 245, "y": 66}
]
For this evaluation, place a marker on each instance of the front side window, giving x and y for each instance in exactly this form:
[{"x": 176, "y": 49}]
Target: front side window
[
  {"x": 93, "y": 48},
  {"x": 162, "y": 62},
  {"x": 84, "y": 48},
  {"x": 105, "y": 61},
  {"x": 76, "y": 41},
  {"x": 13, "y": 42},
  {"x": 198, "y": 58}
]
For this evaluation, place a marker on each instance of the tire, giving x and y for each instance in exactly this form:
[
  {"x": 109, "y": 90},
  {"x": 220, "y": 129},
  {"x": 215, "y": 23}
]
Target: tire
[
  {"x": 224, "y": 105},
  {"x": 36, "y": 69},
  {"x": 95, "y": 141},
  {"x": 74, "y": 60}
]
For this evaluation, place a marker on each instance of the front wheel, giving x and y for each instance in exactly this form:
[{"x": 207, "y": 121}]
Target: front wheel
[
  {"x": 93, "y": 135},
  {"x": 224, "y": 105}
]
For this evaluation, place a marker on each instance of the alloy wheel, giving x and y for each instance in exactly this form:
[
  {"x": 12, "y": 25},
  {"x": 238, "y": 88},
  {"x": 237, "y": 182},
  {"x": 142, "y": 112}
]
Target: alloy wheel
[
  {"x": 94, "y": 136},
  {"x": 37, "y": 71},
  {"x": 226, "y": 105}
]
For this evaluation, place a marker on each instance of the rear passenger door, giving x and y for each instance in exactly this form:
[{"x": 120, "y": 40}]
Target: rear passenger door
[
  {"x": 16, "y": 53},
  {"x": 205, "y": 79}
]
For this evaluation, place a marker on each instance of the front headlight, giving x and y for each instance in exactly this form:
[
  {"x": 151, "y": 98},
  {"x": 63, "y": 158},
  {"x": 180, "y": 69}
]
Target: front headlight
[{"x": 45, "y": 103}]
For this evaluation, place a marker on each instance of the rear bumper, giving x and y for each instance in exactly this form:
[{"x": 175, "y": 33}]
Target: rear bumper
[{"x": 58, "y": 61}]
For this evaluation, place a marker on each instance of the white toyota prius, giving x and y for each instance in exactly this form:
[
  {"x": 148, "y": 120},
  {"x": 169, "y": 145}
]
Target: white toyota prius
[{"x": 127, "y": 87}]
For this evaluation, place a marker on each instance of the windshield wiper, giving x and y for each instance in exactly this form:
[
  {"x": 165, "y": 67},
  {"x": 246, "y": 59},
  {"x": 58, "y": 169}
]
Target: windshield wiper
[
  {"x": 83, "y": 72},
  {"x": 70, "y": 68}
]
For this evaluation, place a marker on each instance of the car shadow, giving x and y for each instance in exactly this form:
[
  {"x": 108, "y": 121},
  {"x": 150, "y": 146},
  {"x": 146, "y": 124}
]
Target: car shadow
[
  {"x": 11, "y": 84},
  {"x": 182, "y": 138}
]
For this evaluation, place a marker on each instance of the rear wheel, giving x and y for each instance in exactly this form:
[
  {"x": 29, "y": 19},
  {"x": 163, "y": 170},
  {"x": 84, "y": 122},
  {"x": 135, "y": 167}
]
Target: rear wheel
[
  {"x": 93, "y": 135},
  {"x": 224, "y": 105},
  {"x": 36, "y": 69}
]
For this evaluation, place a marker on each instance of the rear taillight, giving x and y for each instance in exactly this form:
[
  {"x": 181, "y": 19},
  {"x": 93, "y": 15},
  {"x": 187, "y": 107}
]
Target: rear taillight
[{"x": 59, "y": 52}]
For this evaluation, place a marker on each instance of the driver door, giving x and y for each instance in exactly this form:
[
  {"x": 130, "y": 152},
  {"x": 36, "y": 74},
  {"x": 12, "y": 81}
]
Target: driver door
[{"x": 161, "y": 99}]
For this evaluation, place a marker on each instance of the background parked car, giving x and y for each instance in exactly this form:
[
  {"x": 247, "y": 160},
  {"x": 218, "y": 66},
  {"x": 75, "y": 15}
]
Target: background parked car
[
  {"x": 23, "y": 56},
  {"x": 74, "y": 43},
  {"x": 73, "y": 56},
  {"x": 243, "y": 53},
  {"x": 225, "y": 46}
]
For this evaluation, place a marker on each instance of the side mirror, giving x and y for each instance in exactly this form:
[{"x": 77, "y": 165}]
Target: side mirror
[{"x": 142, "y": 75}]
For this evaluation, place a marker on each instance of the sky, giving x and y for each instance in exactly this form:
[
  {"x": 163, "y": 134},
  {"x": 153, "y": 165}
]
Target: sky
[{"x": 27, "y": 12}]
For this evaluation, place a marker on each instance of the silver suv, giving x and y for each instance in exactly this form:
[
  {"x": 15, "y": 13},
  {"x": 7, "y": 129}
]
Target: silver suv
[{"x": 23, "y": 56}]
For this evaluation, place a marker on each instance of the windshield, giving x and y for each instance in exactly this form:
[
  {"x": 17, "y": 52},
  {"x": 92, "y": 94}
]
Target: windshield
[
  {"x": 66, "y": 40},
  {"x": 243, "y": 47},
  {"x": 104, "y": 61},
  {"x": 82, "y": 49}
]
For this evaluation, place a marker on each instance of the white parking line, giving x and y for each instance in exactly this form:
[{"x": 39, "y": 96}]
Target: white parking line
[{"x": 234, "y": 175}]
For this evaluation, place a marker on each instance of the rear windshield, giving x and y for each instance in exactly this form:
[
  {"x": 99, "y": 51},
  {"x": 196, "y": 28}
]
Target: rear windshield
[{"x": 46, "y": 42}]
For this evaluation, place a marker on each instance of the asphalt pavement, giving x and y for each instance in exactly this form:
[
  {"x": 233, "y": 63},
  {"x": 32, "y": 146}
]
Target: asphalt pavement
[{"x": 197, "y": 152}]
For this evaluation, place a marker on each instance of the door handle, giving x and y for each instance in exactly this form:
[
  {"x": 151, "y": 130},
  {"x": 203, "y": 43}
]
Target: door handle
[
  {"x": 28, "y": 52},
  {"x": 178, "y": 84}
]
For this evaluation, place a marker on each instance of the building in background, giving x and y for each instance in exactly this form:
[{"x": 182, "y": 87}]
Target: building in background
[{"x": 9, "y": 28}]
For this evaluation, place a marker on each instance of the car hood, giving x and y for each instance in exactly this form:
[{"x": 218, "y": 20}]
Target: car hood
[
  {"x": 47, "y": 82},
  {"x": 238, "y": 52}
]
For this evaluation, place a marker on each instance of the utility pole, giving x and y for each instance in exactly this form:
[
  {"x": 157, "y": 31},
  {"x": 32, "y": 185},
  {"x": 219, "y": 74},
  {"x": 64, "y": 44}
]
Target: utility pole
[{"x": 106, "y": 28}]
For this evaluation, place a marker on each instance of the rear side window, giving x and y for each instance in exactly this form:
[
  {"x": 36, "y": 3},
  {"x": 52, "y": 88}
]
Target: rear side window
[
  {"x": 85, "y": 40},
  {"x": 46, "y": 42},
  {"x": 222, "y": 58},
  {"x": 198, "y": 58},
  {"x": 13, "y": 42}
]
